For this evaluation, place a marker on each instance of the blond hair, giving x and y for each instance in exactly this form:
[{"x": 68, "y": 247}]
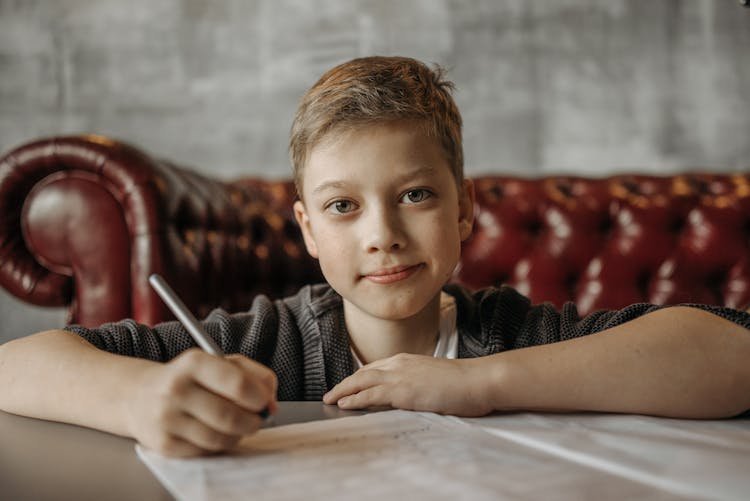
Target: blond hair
[{"x": 374, "y": 90}]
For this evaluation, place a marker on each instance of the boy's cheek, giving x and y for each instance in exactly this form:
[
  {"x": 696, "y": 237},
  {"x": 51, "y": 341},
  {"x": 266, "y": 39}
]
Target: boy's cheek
[
  {"x": 310, "y": 244},
  {"x": 333, "y": 262}
]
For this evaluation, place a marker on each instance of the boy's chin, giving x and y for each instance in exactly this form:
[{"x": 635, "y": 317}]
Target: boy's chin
[{"x": 395, "y": 310}]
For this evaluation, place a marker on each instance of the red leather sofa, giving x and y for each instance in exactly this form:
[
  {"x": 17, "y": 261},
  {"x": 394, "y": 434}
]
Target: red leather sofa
[{"x": 85, "y": 219}]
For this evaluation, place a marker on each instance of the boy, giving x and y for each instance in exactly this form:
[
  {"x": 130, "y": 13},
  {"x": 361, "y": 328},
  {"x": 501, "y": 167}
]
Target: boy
[{"x": 383, "y": 205}]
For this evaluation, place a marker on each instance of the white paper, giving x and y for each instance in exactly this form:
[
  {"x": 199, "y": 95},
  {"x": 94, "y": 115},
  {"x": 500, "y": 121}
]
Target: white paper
[
  {"x": 695, "y": 459},
  {"x": 407, "y": 455}
]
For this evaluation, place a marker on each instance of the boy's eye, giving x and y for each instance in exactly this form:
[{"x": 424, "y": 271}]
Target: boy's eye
[
  {"x": 415, "y": 196},
  {"x": 341, "y": 206}
]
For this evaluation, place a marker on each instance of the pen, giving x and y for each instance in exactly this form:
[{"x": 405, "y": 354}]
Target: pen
[{"x": 194, "y": 328}]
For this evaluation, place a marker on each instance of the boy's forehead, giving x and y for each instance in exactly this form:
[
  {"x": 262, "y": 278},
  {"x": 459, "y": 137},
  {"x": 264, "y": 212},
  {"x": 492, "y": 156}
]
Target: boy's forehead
[{"x": 402, "y": 149}]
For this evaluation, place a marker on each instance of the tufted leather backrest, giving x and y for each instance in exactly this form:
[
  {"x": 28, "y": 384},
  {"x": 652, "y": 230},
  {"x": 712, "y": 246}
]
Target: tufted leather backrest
[
  {"x": 84, "y": 220},
  {"x": 607, "y": 243}
]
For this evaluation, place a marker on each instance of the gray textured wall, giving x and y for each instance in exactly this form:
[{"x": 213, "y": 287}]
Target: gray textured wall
[{"x": 583, "y": 86}]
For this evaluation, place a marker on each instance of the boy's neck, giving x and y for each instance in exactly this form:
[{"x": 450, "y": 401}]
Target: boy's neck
[{"x": 375, "y": 338}]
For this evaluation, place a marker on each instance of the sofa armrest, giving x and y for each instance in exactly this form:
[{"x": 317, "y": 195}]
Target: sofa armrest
[{"x": 84, "y": 220}]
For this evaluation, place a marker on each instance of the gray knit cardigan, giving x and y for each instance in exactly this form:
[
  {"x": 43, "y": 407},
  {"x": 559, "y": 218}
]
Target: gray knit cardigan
[{"x": 303, "y": 338}]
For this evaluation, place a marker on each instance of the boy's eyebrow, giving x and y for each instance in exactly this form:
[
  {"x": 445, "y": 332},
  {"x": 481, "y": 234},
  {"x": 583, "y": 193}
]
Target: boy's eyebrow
[
  {"x": 426, "y": 171},
  {"x": 419, "y": 171},
  {"x": 328, "y": 185}
]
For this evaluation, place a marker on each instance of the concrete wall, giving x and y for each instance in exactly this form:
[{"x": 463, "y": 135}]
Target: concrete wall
[{"x": 582, "y": 86}]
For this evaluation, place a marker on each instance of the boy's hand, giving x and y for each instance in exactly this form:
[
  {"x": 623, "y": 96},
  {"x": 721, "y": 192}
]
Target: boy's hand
[
  {"x": 416, "y": 382},
  {"x": 200, "y": 404}
]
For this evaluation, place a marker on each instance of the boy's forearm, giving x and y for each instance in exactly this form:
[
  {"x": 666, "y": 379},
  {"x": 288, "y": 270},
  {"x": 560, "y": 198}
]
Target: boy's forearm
[
  {"x": 59, "y": 376},
  {"x": 679, "y": 362}
]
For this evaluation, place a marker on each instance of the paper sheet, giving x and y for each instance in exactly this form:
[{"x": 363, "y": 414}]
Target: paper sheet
[
  {"x": 694, "y": 459},
  {"x": 387, "y": 455}
]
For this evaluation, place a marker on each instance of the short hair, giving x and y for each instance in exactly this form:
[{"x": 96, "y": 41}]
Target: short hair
[{"x": 373, "y": 90}]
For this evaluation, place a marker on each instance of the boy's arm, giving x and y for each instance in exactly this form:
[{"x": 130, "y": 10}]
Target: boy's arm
[
  {"x": 194, "y": 404},
  {"x": 679, "y": 362}
]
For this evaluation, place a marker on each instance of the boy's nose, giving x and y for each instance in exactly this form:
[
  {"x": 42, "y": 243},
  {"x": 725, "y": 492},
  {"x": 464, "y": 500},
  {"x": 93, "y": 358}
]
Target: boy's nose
[{"x": 383, "y": 232}]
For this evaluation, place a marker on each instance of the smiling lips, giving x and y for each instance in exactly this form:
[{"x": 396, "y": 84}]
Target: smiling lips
[{"x": 390, "y": 275}]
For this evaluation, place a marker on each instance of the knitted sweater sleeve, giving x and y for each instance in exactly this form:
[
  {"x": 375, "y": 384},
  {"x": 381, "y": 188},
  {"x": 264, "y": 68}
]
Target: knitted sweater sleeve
[
  {"x": 502, "y": 319},
  {"x": 546, "y": 325},
  {"x": 254, "y": 333},
  {"x": 269, "y": 333}
]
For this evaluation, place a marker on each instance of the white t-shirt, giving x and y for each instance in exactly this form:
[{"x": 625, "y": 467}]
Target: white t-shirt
[{"x": 447, "y": 344}]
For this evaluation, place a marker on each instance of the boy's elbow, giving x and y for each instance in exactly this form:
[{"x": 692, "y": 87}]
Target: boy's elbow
[
  {"x": 738, "y": 389},
  {"x": 732, "y": 367},
  {"x": 719, "y": 350}
]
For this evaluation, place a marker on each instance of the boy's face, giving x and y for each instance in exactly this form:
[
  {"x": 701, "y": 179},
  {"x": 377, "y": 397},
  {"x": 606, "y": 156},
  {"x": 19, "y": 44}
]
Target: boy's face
[{"x": 383, "y": 215}]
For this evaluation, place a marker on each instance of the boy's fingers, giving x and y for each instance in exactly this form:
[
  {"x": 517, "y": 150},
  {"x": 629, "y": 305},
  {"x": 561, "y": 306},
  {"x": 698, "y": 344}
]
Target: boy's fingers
[
  {"x": 196, "y": 433},
  {"x": 219, "y": 413},
  {"x": 259, "y": 370},
  {"x": 265, "y": 376},
  {"x": 176, "y": 447},
  {"x": 357, "y": 382},
  {"x": 371, "y": 397},
  {"x": 243, "y": 384}
]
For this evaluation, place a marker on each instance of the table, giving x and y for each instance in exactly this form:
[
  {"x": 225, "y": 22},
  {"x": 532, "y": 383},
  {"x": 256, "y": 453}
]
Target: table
[
  {"x": 44, "y": 460},
  {"x": 598, "y": 454}
]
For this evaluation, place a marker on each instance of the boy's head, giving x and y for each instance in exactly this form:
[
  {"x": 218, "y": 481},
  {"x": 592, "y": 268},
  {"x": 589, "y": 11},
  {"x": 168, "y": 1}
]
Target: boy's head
[
  {"x": 376, "y": 90},
  {"x": 376, "y": 146}
]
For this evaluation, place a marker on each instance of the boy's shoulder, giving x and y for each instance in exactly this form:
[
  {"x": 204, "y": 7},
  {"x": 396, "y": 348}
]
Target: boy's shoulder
[
  {"x": 487, "y": 302},
  {"x": 489, "y": 320}
]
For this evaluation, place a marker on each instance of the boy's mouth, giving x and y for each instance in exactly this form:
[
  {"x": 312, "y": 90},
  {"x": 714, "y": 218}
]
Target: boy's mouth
[{"x": 394, "y": 274}]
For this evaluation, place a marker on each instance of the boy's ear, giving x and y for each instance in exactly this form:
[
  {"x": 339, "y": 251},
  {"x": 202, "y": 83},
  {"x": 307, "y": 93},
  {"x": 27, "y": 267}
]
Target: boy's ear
[
  {"x": 300, "y": 214},
  {"x": 466, "y": 200}
]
